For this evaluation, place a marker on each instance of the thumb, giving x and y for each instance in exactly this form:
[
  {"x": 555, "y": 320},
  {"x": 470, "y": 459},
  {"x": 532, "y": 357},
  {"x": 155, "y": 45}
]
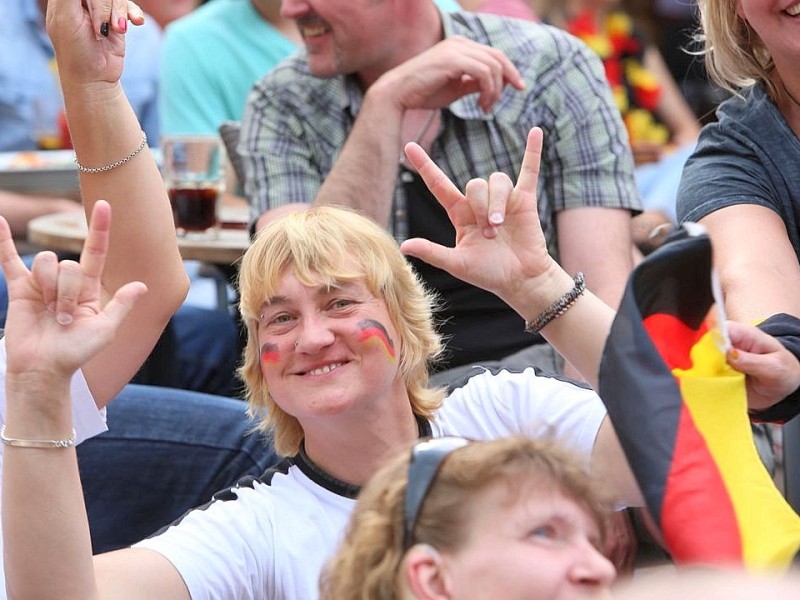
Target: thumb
[
  {"x": 124, "y": 300},
  {"x": 433, "y": 254}
]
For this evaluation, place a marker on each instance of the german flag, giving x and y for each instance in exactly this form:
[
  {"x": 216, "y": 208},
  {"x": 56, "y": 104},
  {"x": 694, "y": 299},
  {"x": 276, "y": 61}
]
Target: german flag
[{"x": 681, "y": 415}]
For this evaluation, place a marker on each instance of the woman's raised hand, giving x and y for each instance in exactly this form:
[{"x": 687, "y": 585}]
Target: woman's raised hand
[
  {"x": 89, "y": 37},
  {"x": 56, "y": 321},
  {"x": 500, "y": 246}
]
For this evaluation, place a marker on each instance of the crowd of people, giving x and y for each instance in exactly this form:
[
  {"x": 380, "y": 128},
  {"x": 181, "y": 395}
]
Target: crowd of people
[{"x": 442, "y": 206}]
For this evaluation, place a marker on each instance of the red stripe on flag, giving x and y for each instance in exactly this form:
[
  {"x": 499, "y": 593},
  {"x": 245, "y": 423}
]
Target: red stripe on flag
[
  {"x": 697, "y": 516},
  {"x": 673, "y": 338}
]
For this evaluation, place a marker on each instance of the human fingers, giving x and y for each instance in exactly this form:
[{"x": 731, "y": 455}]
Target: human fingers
[
  {"x": 528, "y": 178},
  {"x": 105, "y": 15},
  {"x": 12, "y": 264},
  {"x": 437, "y": 182},
  {"x": 772, "y": 370},
  {"x": 486, "y": 74},
  {"x": 123, "y": 302},
  {"x": 135, "y": 13},
  {"x": 95, "y": 248},
  {"x": 477, "y": 194},
  {"x": 487, "y": 200},
  {"x": 505, "y": 73},
  {"x": 434, "y": 254},
  {"x": 45, "y": 274},
  {"x": 504, "y": 70},
  {"x": 70, "y": 281},
  {"x": 477, "y": 68},
  {"x": 483, "y": 72},
  {"x": 500, "y": 190},
  {"x": 749, "y": 338}
]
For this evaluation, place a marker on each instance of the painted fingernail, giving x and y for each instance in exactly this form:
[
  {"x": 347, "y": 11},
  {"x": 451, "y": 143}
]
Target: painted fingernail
[
  {"x": 104, "y": 29},
  {"x": 122, "y": 24}
]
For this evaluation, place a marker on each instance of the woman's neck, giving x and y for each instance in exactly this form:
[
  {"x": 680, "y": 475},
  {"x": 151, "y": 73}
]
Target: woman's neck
[{"x": 351, "y": 450}]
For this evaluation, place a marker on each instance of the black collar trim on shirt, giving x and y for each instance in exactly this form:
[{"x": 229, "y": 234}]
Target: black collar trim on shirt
[{"x": 331, "y": 483}]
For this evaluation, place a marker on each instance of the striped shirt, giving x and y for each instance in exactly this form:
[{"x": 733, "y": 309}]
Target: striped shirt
[{"x": 295, "y": 125}]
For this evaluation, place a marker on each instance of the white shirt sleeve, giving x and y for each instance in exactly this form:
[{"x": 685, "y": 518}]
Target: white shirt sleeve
[{"x": 507, "y": 403}]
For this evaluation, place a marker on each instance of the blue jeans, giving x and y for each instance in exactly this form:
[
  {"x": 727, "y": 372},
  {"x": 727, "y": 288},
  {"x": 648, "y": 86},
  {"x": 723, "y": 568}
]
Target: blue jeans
[
  {"x": 166, "y": 452},
  {"x": 207, "y": 349}
]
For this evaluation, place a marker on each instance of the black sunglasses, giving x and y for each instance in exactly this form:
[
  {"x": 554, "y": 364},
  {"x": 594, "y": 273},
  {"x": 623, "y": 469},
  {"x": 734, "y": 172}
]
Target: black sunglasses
[{"x": 426, "y": 460}]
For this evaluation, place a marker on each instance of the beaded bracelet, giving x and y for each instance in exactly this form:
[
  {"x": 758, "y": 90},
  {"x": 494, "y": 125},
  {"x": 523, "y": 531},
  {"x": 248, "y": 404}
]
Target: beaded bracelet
[
  {"x": 559, "y": 307},
  {"x": 9, "y": 441},
  {"x": 113, "y": 165}
]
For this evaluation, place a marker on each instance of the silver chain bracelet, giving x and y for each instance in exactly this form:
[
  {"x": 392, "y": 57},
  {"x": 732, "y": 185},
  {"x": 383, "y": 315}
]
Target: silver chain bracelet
[
  {"x": 9, "y": 441},
  {"x": 113, "y": 165}
]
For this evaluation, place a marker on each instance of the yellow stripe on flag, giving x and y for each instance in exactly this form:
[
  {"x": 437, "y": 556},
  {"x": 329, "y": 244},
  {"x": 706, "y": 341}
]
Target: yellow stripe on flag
[{"x": 716, "y": 398}]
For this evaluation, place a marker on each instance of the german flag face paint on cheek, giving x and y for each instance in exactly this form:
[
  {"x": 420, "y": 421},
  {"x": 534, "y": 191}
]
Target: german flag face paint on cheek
[
  {"x": 269, "y": 353},
  {"x": 374, "y": 332}
]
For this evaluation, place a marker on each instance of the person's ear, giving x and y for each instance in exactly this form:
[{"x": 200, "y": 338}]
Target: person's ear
[{"x": 425, "y": 574}]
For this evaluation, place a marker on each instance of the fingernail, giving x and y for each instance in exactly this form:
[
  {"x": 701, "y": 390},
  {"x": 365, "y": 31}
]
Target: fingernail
[
  {"x": 64, "y": 318},
  {"x": 496, "y": 218},
  {"x": 104, "y": 29},
  {"x": 122, "y": 24},
  {"x": 733, "y": 354}
]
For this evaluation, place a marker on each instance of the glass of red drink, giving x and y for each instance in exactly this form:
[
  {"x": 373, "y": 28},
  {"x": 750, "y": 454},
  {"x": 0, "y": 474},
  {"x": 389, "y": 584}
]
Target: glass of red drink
[{"x": 193, "y": 167}]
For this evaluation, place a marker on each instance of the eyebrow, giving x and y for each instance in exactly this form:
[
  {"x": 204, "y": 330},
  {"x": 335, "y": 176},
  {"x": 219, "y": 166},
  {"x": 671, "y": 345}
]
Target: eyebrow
[{"x": 322, "y": 290}]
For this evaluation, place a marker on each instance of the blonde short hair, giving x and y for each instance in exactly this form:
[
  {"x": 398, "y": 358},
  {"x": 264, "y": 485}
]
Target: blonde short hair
[
  {"x": 735, "y": 55},
  {"x": 321, "y": 246},
  {"x": 368, "y": 563}
]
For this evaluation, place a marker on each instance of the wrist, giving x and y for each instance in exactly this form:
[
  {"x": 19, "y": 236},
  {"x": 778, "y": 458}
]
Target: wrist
[
  {"x": 535, "y": 295},
  {"x": 41, "y": 412},
  {"x": 382, "y": 98},
  {"x": 36, "y": 388},
  {"x": 558, "y": 307},
  {"x": 92, "y": 96}
]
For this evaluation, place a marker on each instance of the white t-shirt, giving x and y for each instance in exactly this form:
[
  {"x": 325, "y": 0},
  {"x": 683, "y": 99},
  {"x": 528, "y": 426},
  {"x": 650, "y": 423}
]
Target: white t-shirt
[
  {"x": 87, "y": 420},
  {"x": 269, "y": 538}
]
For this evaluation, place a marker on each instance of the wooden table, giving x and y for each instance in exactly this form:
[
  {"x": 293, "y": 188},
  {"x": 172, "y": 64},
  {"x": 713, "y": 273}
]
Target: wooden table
[{"x": 67, "y": 232}]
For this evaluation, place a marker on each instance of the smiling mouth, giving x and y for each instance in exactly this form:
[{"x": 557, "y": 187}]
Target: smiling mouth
[
  {"x": 313, "y": 31},
  {"x": 793, "y": 10},
  {"x": 324, "y": 369}
]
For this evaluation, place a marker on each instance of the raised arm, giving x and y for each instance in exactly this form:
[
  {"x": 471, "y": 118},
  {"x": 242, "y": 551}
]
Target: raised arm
[
  {"x": 105, "y": 131},
  {"x": 58, "y": 320},
  {"x": 500, "y": 247}
]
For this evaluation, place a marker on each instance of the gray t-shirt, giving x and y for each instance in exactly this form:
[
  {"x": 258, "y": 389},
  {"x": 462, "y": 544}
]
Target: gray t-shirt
[{"x": 749, "y": 156}]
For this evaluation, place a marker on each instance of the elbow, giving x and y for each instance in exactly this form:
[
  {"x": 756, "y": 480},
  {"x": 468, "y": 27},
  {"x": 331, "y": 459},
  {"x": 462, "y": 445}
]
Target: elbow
[{"x": 181, "y": 290}]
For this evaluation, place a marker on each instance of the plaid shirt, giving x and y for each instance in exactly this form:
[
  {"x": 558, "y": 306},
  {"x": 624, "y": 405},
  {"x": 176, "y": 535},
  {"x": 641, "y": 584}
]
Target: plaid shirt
[{"x": 295, "y": 125}]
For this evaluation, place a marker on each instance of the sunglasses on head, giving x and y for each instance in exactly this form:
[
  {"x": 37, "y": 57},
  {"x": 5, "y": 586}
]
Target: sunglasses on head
[{"x": 426, "y": 460}]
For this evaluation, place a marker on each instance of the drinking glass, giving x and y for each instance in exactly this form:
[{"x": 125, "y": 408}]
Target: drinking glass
[{"x": 193, "y": 168}]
